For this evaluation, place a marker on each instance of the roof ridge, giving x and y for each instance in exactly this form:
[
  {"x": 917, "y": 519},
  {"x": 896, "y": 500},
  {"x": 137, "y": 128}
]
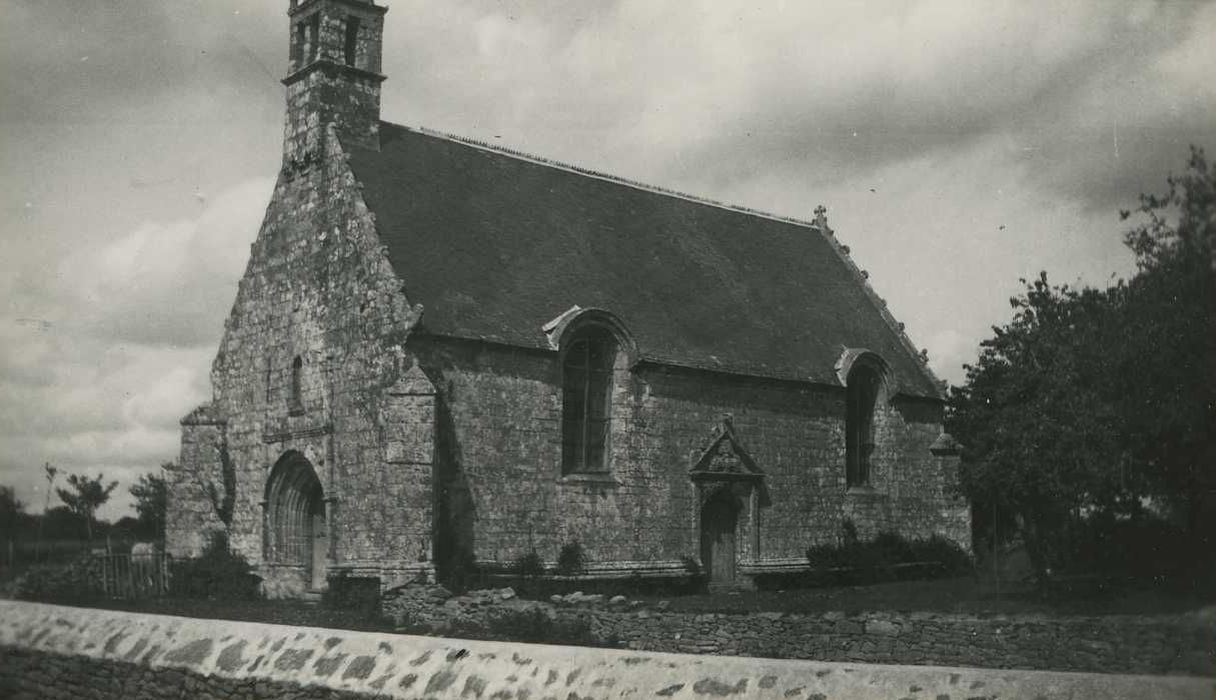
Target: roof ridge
[{"x": 637, "y": 184}]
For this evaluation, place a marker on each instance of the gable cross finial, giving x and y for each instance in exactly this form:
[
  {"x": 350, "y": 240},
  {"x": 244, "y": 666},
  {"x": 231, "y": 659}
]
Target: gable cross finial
[
  {"x": 821, "y": 217},
  {"x": 399, "y": 360}
]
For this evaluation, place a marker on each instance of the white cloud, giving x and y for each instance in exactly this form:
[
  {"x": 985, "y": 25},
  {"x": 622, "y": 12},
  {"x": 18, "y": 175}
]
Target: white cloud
[
  {"x": 131, "y": 327},
  {"x": 949, "y": 350},
  {"x": 171, "y": 283}
]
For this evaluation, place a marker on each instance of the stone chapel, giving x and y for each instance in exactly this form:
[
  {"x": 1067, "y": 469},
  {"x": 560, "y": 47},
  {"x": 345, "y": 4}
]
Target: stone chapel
[{"x": 443, "y": 351}]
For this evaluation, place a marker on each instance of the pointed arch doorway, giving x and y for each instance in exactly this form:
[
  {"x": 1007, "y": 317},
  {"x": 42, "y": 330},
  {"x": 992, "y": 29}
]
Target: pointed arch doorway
[
  {"x": 297, "y": 531},
  {"x": 730, "y": 492}
]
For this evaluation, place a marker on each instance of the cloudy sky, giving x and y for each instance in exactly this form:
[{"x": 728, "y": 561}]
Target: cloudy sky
[{"x": 957, "y": 145}]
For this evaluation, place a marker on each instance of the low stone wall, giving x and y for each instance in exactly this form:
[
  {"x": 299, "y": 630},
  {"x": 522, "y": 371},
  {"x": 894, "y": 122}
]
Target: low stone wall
[
  {"x": 1109, "y": 644},
  {"x": 1102, "y": 645},
  {"x": 59, "y": 652}
]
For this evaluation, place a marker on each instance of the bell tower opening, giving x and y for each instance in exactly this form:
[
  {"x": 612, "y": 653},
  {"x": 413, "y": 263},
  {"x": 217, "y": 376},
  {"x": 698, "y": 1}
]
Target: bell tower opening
[
  {"x": 351, "y": 48},
  {"x": 334, "y": 75}
]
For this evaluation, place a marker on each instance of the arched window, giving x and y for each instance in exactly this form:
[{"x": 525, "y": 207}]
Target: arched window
[
  {"x": 862, "y": 395},
  {"x": 586, "y": 400},
  {"x": 296, "y": 400}
]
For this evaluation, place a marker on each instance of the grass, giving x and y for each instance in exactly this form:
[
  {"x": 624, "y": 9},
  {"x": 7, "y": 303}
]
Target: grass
[
  {"x": 965, "y": 595},
  {"x": 278, "y": 612}
]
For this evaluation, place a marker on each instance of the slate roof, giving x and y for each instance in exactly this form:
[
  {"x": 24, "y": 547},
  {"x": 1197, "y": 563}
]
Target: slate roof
[{"x": 495, "y": 244}]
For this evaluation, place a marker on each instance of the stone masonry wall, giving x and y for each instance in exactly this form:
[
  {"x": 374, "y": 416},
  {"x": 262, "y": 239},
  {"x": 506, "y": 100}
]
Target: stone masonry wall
[
  {"x": 1119, "y": 644},
  {"x": 1110, "y": 644},
  {"x": 58, "y": 652},
  {"x": 192, "y": 492},
  {"x": 500, "y": 430},
  {"x": 318, "y": 287},
  {"x": 322, "y": 90}
]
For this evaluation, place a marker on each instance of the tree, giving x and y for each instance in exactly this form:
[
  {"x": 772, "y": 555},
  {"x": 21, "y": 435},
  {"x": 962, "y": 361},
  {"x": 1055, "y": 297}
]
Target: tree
[
  {"x": 51, "y": 473},
  {"x": 150, "y": 502},
  {"x": 11, "y": 512},
  {"x": 1167, "y": 372},
  {"x": 61, "y": 523},
  {"x": 1038, "y": 436},
  {"x": 1091, "y": 400},
  {"x": 86, "y": 496}
]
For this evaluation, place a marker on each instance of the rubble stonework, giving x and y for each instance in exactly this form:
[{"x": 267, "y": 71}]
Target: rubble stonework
[
  {"x": 503, "y": 451},
  {"x": 1163, "y": 644},
  {"x": 59, "y": 652}
]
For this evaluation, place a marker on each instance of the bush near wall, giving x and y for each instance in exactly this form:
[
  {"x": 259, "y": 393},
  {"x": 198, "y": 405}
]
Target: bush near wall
[
  {"x": 1144, "y": 548},
  {"x": 78, "y": 581},
  {"x": 356, "y": 593},
  {"x": 219, "y": 574},
  {"x": 571, "y": 560},
  {"x": 888, "y": 557}
]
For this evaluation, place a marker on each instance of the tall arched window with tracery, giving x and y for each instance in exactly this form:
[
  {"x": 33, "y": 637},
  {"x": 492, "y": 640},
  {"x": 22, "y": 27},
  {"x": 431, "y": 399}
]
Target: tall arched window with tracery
[
  {"x": 862, "y": 396},
  {"x": 587, "y": 367}
]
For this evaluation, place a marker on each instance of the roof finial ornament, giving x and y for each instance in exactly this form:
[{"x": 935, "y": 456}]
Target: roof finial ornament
[
  {"x": 821, "y": 218},
  {"x": 400, "y": 366}
]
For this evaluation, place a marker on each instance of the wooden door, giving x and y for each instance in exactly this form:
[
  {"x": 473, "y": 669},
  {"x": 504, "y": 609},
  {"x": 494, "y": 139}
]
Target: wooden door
[
  {"x": 718, "y": 519},
  {"x": 320, "y": 550}
]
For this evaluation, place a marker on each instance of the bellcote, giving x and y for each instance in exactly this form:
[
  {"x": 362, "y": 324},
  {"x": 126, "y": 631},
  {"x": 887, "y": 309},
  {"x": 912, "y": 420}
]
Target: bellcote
[{"x": 333, "y": 75}]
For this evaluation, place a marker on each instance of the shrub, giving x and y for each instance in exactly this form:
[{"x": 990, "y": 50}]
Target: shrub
[
  {"x": 827, "y": 556},
  {"x": 571, "y": 561},
  {"x": 879, "y": 559},
  {"x": 528, "y": 566},
  {"x": 357, "y": 593},
  {"x": 78, "y": 581},
  {"x": 943, "y": 551},
  {"x": 1143, "y": 547},
  {"x": 217, "y": 574}
]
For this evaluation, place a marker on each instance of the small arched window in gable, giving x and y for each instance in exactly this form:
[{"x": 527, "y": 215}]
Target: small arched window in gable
[
  {"x": 862, "y": 396},
  {"x": 296, "y": 400},
  {"x": 586, "y": 400}
]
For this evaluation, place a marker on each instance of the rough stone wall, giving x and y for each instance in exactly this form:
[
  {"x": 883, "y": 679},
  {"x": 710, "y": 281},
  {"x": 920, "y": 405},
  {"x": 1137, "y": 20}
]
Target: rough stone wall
[
  {"x": 58, "y": 652},
  {"x": 318, "y": 287},
  {"x": 1119, "y": 644},
  {"x": 194, "y": 488},
  {"x": 501, "y": 461},
  {"x": 330, "y": 93},
  {"x": 1162, "y": 644},
  {"x": 307, "y": 100},
  {"x": 26, "y": 675},
  {"x": 910, "y": 487}
]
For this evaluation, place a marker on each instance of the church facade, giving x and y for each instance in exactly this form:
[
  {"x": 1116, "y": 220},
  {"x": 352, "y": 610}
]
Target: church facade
[{"x": 444, "y": 352}]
